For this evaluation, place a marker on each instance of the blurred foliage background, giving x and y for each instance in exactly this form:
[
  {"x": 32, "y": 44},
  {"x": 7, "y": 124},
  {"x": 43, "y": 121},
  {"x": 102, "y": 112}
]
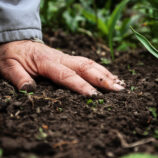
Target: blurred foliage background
[{"x": 107, "y": 20}]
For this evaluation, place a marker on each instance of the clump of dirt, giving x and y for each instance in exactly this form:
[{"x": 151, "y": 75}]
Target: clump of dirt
[{"x": 56, "y": 122}]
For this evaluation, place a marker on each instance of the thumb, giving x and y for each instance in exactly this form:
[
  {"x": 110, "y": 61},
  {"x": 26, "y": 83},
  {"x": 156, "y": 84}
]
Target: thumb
[{"x": 14, "y": 72}]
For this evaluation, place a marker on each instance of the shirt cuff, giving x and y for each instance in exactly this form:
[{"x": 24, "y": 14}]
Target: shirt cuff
[{"x": 21, "y": 34}]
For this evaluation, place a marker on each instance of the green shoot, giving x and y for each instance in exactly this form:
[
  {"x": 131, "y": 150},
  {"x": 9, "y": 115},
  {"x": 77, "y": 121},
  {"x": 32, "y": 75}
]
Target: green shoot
[
  {"x": 153, "y": 111},
  {"x": 89, "y": 101},
  {"x": 146, "y": 43},
  {"x": 146, "y": 133},
  {"x": 101, "y": 101},
  {"x": 31, "y": 156},
  {"x": 139, "y": 155},
  {"x": 156, "y": 134},
  {"x": 1, "y": 152},
  {"x": 133, "y": 72},
  {"x": 41, "y": 135},
  {"x": 133, "y": 88},
  {"x": 60, "y": 109},
  {"x": 25, "y": 92},
  {"x": 94, "y": 103},
  {"x": 112, "y": 23},
  {"x": 105, "y": 61}
]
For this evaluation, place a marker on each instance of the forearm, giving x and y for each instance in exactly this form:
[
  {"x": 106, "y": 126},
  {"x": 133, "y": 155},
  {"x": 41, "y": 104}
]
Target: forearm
[{"x": 19, "y": 20}]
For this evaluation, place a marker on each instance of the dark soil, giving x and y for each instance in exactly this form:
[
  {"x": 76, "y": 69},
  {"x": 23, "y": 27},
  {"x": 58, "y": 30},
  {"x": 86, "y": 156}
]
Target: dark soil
[{"x": 56, "y": 122}]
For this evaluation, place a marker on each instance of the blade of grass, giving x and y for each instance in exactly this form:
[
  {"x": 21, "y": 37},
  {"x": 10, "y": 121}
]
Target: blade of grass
[
  {"x": 112, "y": 23},
  {"x": 92, "y": 17},
  {"x": 139, "y": 155},
  {"x": 146, "y": 43}
]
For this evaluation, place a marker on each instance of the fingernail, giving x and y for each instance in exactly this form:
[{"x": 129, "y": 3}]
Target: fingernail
[
  {"x": 29, "y": 86},
  {"x": 93, "y": 92},
  {"x": 118, "y": 87},
  {"x": 120, "y": 82}
]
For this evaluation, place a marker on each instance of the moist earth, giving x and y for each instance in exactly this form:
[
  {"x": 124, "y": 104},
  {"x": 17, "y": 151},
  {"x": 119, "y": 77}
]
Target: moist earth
[{"x": 59, "y": 123}]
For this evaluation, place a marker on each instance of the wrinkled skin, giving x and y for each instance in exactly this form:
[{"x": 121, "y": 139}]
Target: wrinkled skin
[{"x": 21, "y": 61}]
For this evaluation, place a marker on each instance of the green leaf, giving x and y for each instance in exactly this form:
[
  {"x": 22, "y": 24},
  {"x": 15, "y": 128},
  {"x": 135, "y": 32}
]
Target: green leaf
[
  {"x": 153, "y": 110},
  {"x": 139, "y": 155},
  {"x": 101, "y": 101},
  {"x": 146, "y": 43},
  {"x": 92, "y": 17},
  {"x": 105, "y": 61},
  {"x": 1, "y": 152},
  {"x": 22, "y": 91},
  {"x": 112, "y": 23},
  {"x": 89, "y": 101}
]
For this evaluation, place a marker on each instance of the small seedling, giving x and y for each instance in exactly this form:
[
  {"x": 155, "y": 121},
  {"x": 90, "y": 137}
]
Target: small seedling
[
  {"x": 133, "y": 88},
  {"x": 31, "y": 156},
  {"x": 59, "y": 109},
  {"x": 146, "y": 133},
  {"x": 139, "y": 155},
  {"x": 153, "y": 111},
  {"x": 1, "y": 152},
  {"x": 101, "y": 101},
  {"x": 41, "y": 135},
  {"x": 25, "y": 92},
  {"x": 133, "y": 72},
  {"x": 105, "y": 61},
  {"x": 156, "y": 134},
  {"x": 89, "y": 101}
]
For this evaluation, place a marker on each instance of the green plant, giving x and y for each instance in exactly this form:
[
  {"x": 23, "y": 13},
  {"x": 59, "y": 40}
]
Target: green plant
[
  {"x": 41, "y": 135},
  {"x": 59, "y": 109},
  {"x": 133, "y": 72},
  {"x": 101, "y": 101},
  {"x": 148, "y": 23},
  {"x": 156, "y": 134},
  {"x": 94, "y": 103},
  {"x": 25, "y": 92},
  {"x": 133, "y": 88},
  {"x": 1, "y": 152},
  {"x": 153, "y": 111},
  {"x": 106, "y": 22},
  {"x": 139, "y": 155},
  {"x": 112, "y": 23},
  {"x": 105, "y": 61},
  {"x": 57, "y": 14},
  {"x": 91, "y": 103},
  {"x": 146, "y": 43},
  {"x": 88, "y": 17}
]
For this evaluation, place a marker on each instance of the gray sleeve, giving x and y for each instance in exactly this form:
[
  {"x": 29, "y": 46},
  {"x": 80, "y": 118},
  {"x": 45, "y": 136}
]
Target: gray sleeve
[{"x": 19, "y": 20}]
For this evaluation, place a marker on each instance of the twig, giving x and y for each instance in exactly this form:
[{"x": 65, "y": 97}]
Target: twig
[
  {"x": 61, "y": 143},
  {"x": 103, "y": 46},
  {"x": 134, "y": 144}
]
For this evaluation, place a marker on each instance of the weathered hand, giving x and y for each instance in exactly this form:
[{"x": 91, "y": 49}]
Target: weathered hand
[{"x": 22, "y": 60}]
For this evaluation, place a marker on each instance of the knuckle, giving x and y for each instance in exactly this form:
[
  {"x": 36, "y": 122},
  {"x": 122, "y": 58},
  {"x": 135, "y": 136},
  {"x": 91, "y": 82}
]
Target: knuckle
[
  {"x": 85, "y": 65},
  {"x": 65, "y": 74}
]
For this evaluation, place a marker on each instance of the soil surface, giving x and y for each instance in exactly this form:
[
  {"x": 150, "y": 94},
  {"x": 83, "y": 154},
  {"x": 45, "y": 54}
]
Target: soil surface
[{"x": 56, "y": 122}]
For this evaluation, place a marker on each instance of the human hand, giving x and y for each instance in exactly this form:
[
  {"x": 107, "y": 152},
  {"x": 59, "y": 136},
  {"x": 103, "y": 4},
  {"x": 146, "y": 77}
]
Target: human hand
[{"x": 20, "y": 61}]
